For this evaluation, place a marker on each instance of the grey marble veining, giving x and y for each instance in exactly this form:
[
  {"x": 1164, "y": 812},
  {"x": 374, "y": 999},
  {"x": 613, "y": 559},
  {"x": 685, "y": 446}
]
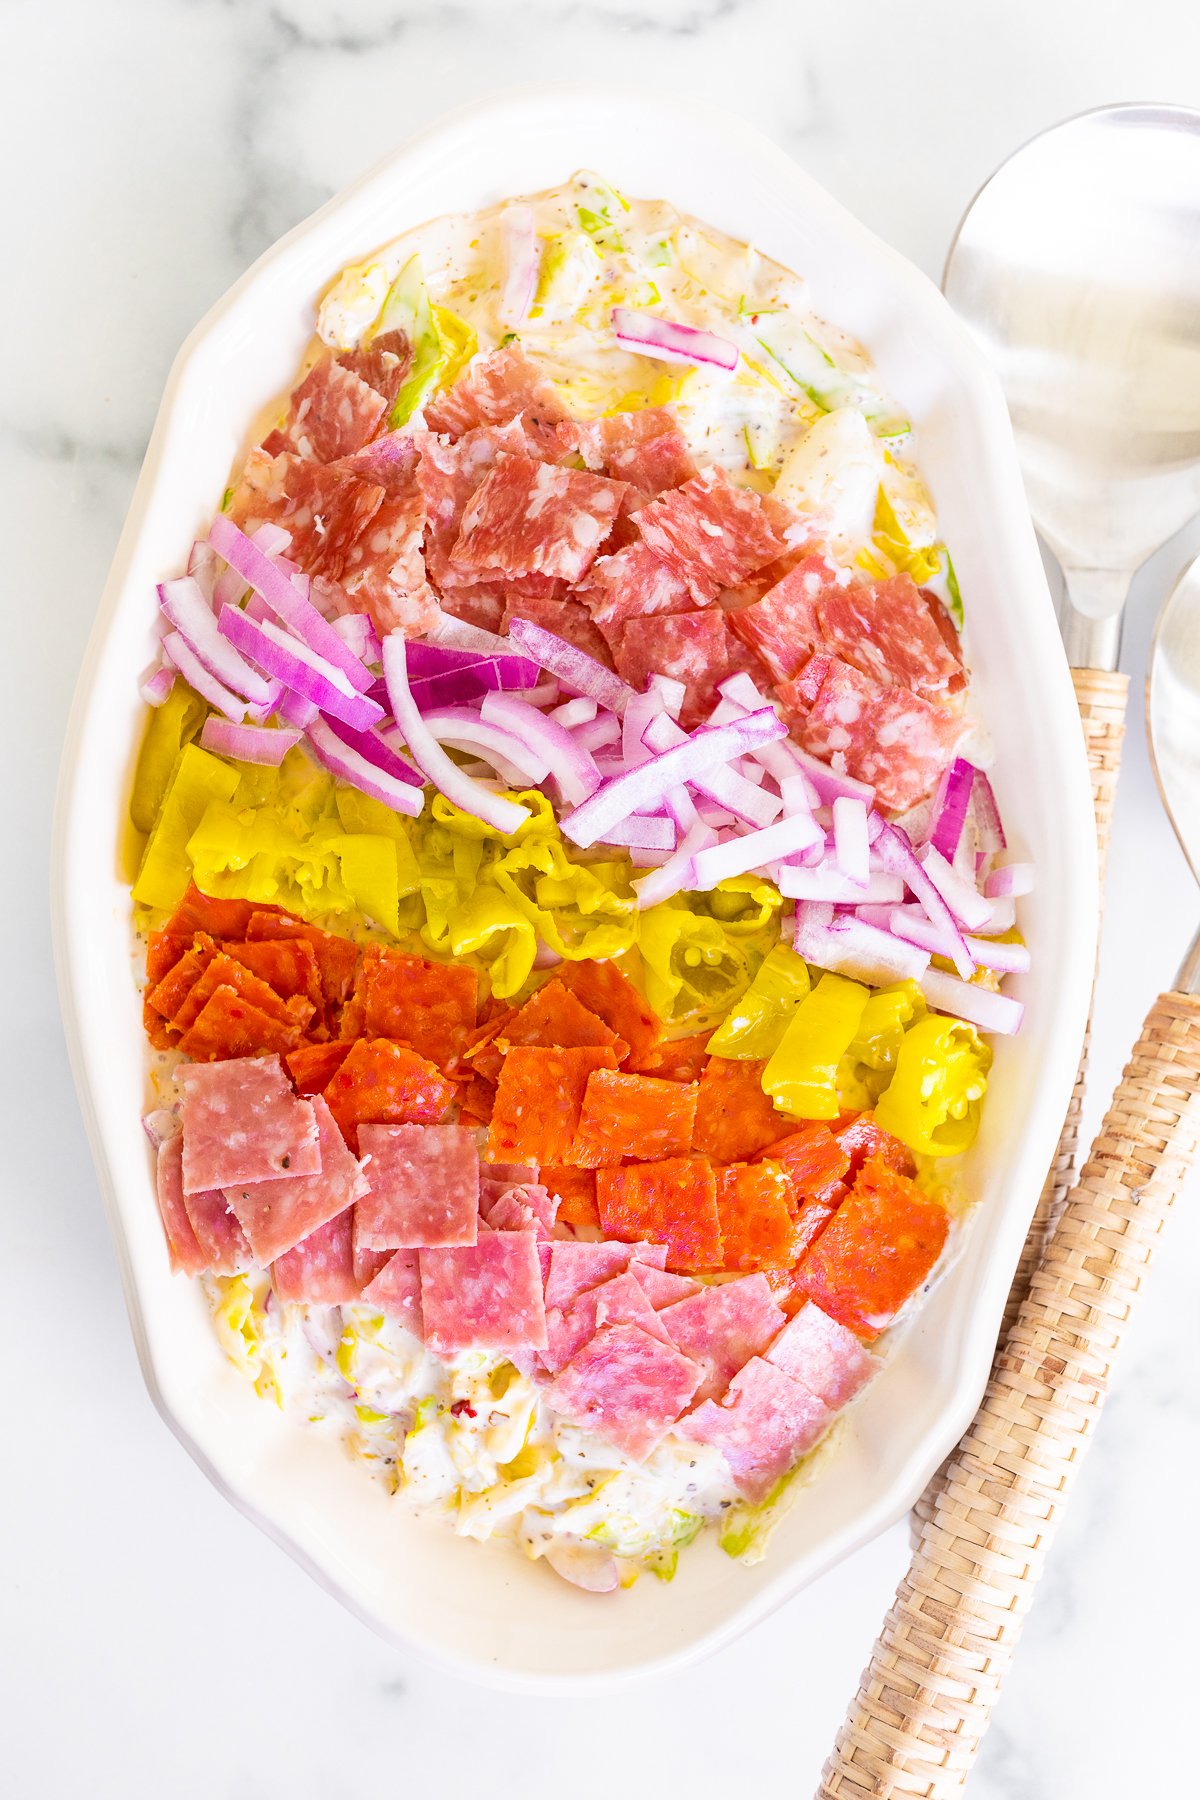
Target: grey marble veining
[{"x": 156, "y": 1643}]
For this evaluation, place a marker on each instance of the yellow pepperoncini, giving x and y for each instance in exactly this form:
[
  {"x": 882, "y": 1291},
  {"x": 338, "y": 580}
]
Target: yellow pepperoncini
[
  {"x": 744, "y": 904},
  {"x": 867, "y": 1066},
  {"x": 490, "y": 926},
  {"x": 577, "y": 909},
  {"x": 197, "y": 780},
  {"x": 801, "y": 1076},
  {"x": 933, "y": 1100},
  {"x": 692, "y": 964},
  {"x": 754, "y": 1025},
  {"x": 170, "y": 726}
]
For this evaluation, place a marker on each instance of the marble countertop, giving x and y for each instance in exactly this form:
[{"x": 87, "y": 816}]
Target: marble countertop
[{"x": 155, "y": 1642}]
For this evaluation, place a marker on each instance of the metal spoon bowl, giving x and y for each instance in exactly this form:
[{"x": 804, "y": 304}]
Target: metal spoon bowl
[{"x": 1077, "y": 268}]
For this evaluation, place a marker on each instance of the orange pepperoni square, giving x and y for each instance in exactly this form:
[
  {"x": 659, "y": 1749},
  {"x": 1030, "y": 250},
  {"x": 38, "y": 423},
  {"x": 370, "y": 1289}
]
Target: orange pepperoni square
[
  {"x": 430, "y": 1006},
  {"x": 228, "y": 1025},
  {"x": 682, "y": 1059},
  {"x": 384, "y": 1083},
  {"x": 757, "y": 1222},
  {"x": 576, "y": 1190},
  {"x": 607, "y": 990},
  {"x": 734, "y": 1117},
  {"x": 314, "y": 1066},
  {"x": 539, "y": 1099},
  {"x": 672, "y": 1203},
  {"x": 223, "y": 971},
  {"x": 815, "y": 1160},
  {"x": 205, "y": 912},
  {"x": 877, "y": 1250},
  {"x": 337, "y": 957},
  {"x": 633, "y": 1116}
]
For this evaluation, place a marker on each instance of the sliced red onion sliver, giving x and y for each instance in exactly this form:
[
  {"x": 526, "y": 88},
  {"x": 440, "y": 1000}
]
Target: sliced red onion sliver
[
  {"x": 729, "y": 789},
  {"x": 822, "y": 882},
  {"x": 851, "y": 846},
  {"x": 640, "y": 713},
  {"x": 366, "y": 775},
  {"x": 849, "y": 946},
  {"x": 675, "y": 874},
  {"x": 915, "y": 928},
  {"x": 156, "y": 684},
  {"x": 965, "y": 902},
  {"x": 651, "y": 336},
  {"x": 463, "y": 729},
  {"x": 672, "y": 693},
  {"x": 986, "y": 816},
  {"x": 519, "y": 246},
  {"x": 456, "y": 634},
  {"x": 296, "y": 710},
  {"x": 204, "y": 566},
  {"x": 643, "y": 831},
  {"x": 359, "y": 636},
  {"x": 1002, "y": 915},
  {"x": 599, "y": 733},
  {"x": 504, "y": 815},
  {"x": 979, "y": 1006},
  {"x": 1006, "y": 959},
  {"x": 738, "y": 855},
  {"x": 799, "y": 794},
  {"x": 372, "y": 748},
  {"x": 579, "y": 711},
  {"x": 266, "y": 746},
  {"x": 286, "y": 601},
  {"x": 573, "y": 666},
  {"x": 642, "y": 788},
  {"x": 896, "y": 854},
  {"x": 642, "y": 857},
  {"x": 950, "y": 807},
  {"x": 1010, "y": 880},
  {"x": 183, "y": 604},
  {"x": 570, "y": 764},
  {"x": 300, "y": 668},
  {"x": 197, "y": 676}
]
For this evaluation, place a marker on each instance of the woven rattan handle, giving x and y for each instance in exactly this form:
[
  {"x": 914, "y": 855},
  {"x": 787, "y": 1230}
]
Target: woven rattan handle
[{"x": 948, "y": 1640}]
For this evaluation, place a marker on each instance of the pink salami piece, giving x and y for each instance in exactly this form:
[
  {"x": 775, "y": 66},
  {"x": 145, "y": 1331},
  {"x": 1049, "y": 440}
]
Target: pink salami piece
[
  {"x": 660, "y": 1286},
  {"x": 692, "y": 647},
  {"x": 332, "y": 413},
  {"x": 764, "y": 1424},
  {"x": 493, "y": 389},
  {"x": 632, "y": 584},
  {"x": 396, "y": 1290},
  {"x": 830, "y": 1361},
  {"x": 575, "y": 1267},
  {"x": 533, "y": 518},
  {"x": 447, "y": 476},
  {"x": 627, "y": 1385},
  {"x": 486, "y": 1296},
  {"x": 722, "y": 1327},
  {"x": 326, "y": 510},
  {"x": 619, "y": 1301},
  {"x": 424, "y": 1187},
  {"x": 383, "y": 364},
  {"x": 242, "y": 1122},
  {"x": 384, "y": 571},
  {"x": 835, "y": 720},
  {"x": 320, "y": 1268},
  {"x": 782, "y": 628},
  {"x": 389, "y": 461},
  {"x": 216, "y": 1230},
  {"x": 276, "y": 1214},
  {"x": 886, "y": 630},
  {"x": 567, "y": 619},
  {"x": 909, "y": 744},
  {"x": 368, "y": 1263},
  {"x": 715, "y": 533},
  {"x": 646, "y": 448},
  {"x": 183, "y": 1247},
  {"x": 527, "y": 1208}
]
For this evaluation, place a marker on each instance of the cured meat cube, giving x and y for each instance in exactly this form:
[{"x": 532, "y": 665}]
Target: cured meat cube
[
  {"x": 383, "y": 1083},
  {"x": 424, "y": 1187},
  {"x": 765, "y": 1423},
  {"x": 878, "y": 1249},
  {"x": 828, "y": 1359},
  {"x": 539, "y": 1098},
  {"x": 758, "y": 1227},
  {"x": 634, "y": 583},
  {"x": 661, "y": 1287},
  {"x": 567, "y": 619},
  {"x": 783, "y": 627},
  {"x": 383, "y": 364},
  {"x": 835, "y": 721},
  {"x": 429, "y": 1006},
  {"x": 383, "y": 570},
  {"x": 576, "y": 1191},
  {"x": 333, "y": 412},
  {"x": 619, "y": 1301},
  {"x": 493, "y": 389},
  {"x": 242, "y": 1122},
  {"x": 320, "y": 1268},
  {"x": 722, "y": 1327},
  {"x": 634, "y": 1116},
  {"x": 682, "y": 1059},
  {"x": 326, "y": 510},
  {"x": 608, "y": 991},
  {"x": 314, "y": 1066},
  {"x": 184, "y": 1249},
  {"x": 278, "y": 1213},
  {"x": 887, "y": 630},
  {"x": 715, "y": 533},
  {"x": 532, "y": 518},
  {"x": 672, "y": 1203},
  {"x": 627, "y": 1386},
  {"x": 858, "y": 1136},
  {"x": 337, "y": 957},
  {"x": 229, "y": 1026},
  {"x": 734, "y": 1117},
  {"x": 219, "y": 918},
  {"x": 486, "y": 1296},
  {"x": 396, "y": 1290},
  {"x": 576, "y": 1267}
]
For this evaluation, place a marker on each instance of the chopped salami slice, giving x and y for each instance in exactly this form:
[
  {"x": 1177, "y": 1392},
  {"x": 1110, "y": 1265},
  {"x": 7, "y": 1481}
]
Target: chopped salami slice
[
  {"x": 429, "y": 1006},
  {"x": 832, "y": 709},
  {"x": 382, "y": 1083},
  {"x": 524, "y": 1209},
  {"x": 909, "y": 743},
  {"x": 276, "y": 1214},
  {"x": 567, "y": 619},
  {"x": 314, "y": 1066},
  {"x": 661, "y": 1287},
  {"x": 319, "y": 1270},
  {"x": 608, "y": 991},
  {"x": 219, "y": 918},
  {"x": 396, "y": 1290},
  {"x": 183, "y": 1247},
  {"x": 765, "y": 1423},
  {"x": 672, "y": 1203},
  {"x": 886, "y": 629},
  {"x": 734, "y": 1117},
  {"x": 477, "y": 1100},
  {"x": 326, "y": 510},
  {"x": 645, "y": 447},
  {"x": 486, "y": 1296},
  {"x": 383, "y": 364},
  {"x": 332, "y": 413},
  {"x": 532, "y": 518},
  {"x": 447, "y": 476},
  {"x": 169, "y": 992},
  {"x": 493, "y": 389},
  {"x": 880, "y": 1246},
  {"x": 368, "y": 1263},
  {"x": 627, "y": 1386},
  {"x": 383, "y": 570},
  {"x": 424, "y": 1187},
  {"x": 390, "y": 462},
  {"x": 634, "y": 1116},
  {"x": 576, "y": 1192},
  {"x": 619, "y": 1301},
  {"x": 576, "y": 1267},
  {"x": 242, "y": 1122},
  {"x": 715, "y": 533},
  {"x": 828, "y": 1359},
  {"x": 783, "y": 628},
  {"x": 692, "y": 647},
  {"x": 754, "y": 1205},
  {"x": 814, "y": 1159},
  {"x": 634, "y": 583},
  {"x": 539, "y": 1098},
  {"x": 722, "y": 1327},
  {"x": 215, "y": 1228}
]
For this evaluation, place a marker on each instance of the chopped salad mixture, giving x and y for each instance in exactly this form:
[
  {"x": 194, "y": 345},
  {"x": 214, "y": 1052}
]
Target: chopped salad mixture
[{"x": 572, "y": 900}]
